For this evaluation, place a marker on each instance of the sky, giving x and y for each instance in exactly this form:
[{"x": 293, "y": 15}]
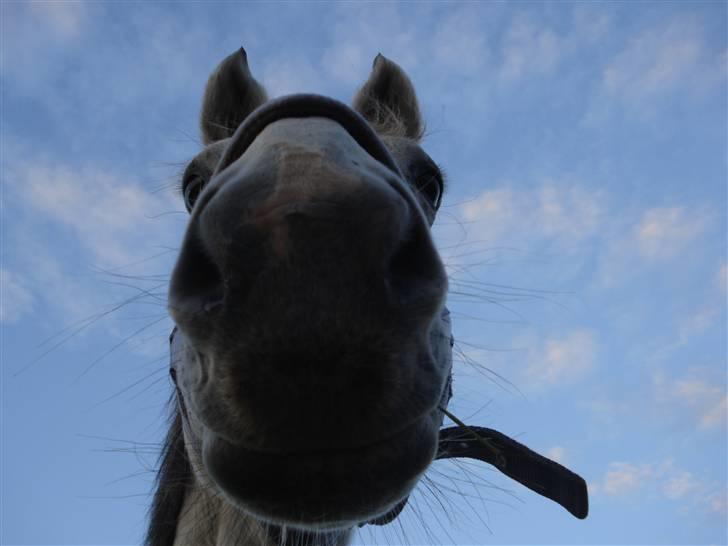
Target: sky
[{"x": 584, "y": 231}]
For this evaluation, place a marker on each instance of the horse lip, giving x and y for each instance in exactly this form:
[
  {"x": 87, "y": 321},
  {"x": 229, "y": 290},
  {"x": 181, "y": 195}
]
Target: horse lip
[
  {"x": 314, "y": 490},
  {"x": 344, "y": 449}
]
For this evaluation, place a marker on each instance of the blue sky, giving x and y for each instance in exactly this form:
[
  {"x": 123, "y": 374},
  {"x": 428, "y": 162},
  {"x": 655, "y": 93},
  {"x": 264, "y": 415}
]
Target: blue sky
[{"x": 584, "y": 230}]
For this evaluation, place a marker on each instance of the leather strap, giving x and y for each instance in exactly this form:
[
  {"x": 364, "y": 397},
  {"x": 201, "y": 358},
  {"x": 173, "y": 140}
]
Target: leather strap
[{"x": 541, "y": 475}]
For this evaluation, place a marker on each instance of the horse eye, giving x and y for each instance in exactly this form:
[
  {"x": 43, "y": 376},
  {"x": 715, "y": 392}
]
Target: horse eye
[
  {"x": 191, "y": 190},
  {"x": 430, "y": 185}
]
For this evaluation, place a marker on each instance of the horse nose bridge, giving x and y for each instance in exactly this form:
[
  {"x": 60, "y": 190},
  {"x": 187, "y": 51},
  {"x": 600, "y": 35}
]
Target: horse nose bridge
[
  {"x": 304, "y": 186},
  {"x": 307, "y": 166}
]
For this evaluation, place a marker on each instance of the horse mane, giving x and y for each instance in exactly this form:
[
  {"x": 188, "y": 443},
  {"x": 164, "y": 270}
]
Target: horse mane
[{"x": 173, "y": 478}]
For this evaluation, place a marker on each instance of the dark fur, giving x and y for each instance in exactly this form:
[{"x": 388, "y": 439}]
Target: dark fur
[{"x": 173, "y": 479}]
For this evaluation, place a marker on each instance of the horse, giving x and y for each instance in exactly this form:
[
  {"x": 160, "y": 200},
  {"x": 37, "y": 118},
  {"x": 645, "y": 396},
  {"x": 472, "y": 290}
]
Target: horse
[{"x": 311, "y": 356}]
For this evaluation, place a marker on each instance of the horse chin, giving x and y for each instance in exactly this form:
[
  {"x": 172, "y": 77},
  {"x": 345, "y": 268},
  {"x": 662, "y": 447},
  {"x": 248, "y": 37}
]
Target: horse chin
[{"x": 322, "y": 490}]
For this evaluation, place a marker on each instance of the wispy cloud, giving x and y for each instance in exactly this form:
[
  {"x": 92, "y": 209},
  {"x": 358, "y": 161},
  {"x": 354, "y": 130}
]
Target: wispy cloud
[
  {"x": 651, "y": 238},
  {"x": 64, "y": 295},
  {"x": 34, "y": 33},
  {"x": 563, "y": 214},
  {"x": 664, "y": 232},
  {"x": 562, "y": 360},
  {"x": 65, "y": 19},
  {"x": 290, "y": 74},
  {"x": 718, "y": 503},
  {"x": 75, "y": 229},
  {"x": 716, "y": 415},
  {"x": 358, "y": 33},
  {"x": 622, "y": 478},
  {"x": 696, "y": 323},
  {"x": 680, "y": 485},
  {"x": 557, "y": 453},
  {"x": 460, "y": 42},
  {"x": 663, "y": 59},
  {"x": 664, "y": 480},
  {"x": 110, "y": 216},
  {"x": 703, "y": 395},
  {"x": 16, "y": 298},
  {"x": 348, "y": 63},
  {"x": 108, "y": 89},
  {"x": 529, "y": 49}
]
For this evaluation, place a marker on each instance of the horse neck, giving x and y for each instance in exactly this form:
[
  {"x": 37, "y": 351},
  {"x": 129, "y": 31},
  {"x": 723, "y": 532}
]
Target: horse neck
[{"x": 208, "y": 520}]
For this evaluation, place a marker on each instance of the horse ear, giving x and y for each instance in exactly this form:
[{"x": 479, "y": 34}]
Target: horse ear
[
  {"x": 388, "y": 101},
  {"x": 231, "y": 94}
]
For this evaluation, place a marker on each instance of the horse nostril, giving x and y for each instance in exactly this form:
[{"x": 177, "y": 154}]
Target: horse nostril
[
  {"x": 415, "y": 270},
  {"x": 197, "y": 285}
]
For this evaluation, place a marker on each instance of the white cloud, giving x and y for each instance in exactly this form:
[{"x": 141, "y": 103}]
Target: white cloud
[
  {"x": 680, "y": 485},
  {"x": 704, "y": 396},
  {"x": 16, "y": 299},
  {"x": 359, "y": 33},
  {"x": 557, "y": 453},
  {"x": 718, "y": 504},
  {"x": 102, "y": 93},
  {"x": 348, "y": 63},
  {"x": 563, "y": 360},
  {"x": 283, "y": 76},
  {"x": 650, "y": 238},
  {"x": 64, "y": 295},
  {"x": 561, "y": 213},
  {"x": 694, "y": 391},
  {"x": 69, "y": 222},
  {"x": 662, "y": 480},
  {"x": 623, "y": 478},
  {"x": 696, "y": 323},
  {"x": 493, "y": 209},
  {"x": 64, "y": 19},
  {"x": 663, "y": 232},
  {"x": 460, "y": 41},
  {"x": 661, "y": 60},
  {"x": 716, "y": 415},
  {"x": 110, "y": 216},
  {"x": 530, "y": 49},
  {"x": 33, "y": 32}
]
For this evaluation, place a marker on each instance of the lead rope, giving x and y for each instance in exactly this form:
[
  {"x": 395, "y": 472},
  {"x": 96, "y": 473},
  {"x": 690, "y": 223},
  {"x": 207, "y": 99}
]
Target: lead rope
[
  {"x": 498, "y": 458},
  {"x": 540, "y": 474}
]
